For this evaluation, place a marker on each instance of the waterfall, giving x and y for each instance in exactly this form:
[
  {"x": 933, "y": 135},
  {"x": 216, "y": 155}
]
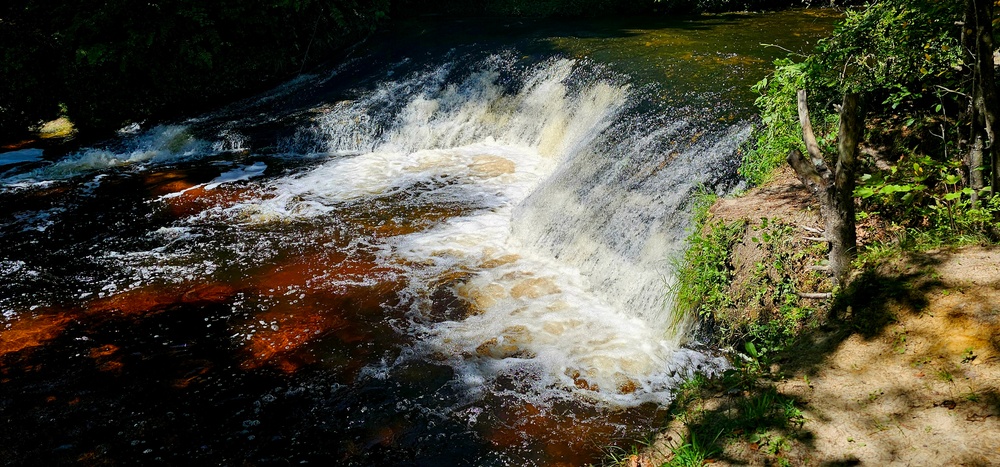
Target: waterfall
[
  {"x": 565, "y": 190},
  {"x": 571, "y": 202}
]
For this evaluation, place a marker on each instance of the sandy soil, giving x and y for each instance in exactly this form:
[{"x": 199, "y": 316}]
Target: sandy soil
[
  {"x": 918, "y": 383},
  {"x": 909, "y": 375}
]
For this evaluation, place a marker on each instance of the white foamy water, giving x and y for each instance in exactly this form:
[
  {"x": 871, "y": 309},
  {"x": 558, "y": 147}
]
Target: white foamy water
[{"x": 561, "y": 252}]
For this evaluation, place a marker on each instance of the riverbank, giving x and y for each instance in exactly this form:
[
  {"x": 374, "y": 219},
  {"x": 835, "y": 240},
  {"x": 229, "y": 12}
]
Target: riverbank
[{"x": 902, "y": 370}]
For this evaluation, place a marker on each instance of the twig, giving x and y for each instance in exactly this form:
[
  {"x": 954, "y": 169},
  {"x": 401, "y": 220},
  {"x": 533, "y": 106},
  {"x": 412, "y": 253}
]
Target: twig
[
  {"x": 953, "y": 91},
  {"x": 786, "y": 50},
  {"x": 811, "y": 229},
  {"x": 817, "y": 239},
  {"x": 308, "y": 47},
  {"x": 815, "y": 296}
]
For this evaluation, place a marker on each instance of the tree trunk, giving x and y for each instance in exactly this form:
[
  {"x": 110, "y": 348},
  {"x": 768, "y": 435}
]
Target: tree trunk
[
  {"x": 834, "y": 189},
  {"x": 974, "y": 163},
  {"x": 977, "y": 37}
]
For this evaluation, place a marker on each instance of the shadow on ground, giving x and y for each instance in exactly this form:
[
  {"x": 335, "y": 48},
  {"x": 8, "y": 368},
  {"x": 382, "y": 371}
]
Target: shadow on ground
[{"x": 903, "y": 371}]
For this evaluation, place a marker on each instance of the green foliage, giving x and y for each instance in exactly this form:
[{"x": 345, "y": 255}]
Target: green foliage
[
  {"x": 704, "y": 275},
  {"x": 905, "y": 57},
  {"x": 779, "y": 129},
  {"x": 694, "y": 452},
  {"x": 893, "y": 50},
  {"x": 904, "y": 54},
  {"x": 771, "y": 292},
  {"x": 758, "y": 415},
  {"x": 747, "y": 368},
  {"x": 591, "y": 8},
  {"x": 763, "y": 313},
  {"x": 928, "y": 198}
]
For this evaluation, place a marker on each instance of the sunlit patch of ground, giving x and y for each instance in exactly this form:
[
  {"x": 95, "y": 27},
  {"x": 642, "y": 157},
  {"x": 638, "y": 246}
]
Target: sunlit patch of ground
[{"x": 926, "y": 389}]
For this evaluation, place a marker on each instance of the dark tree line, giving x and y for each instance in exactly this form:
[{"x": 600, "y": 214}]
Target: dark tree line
[
  {"x": 104, "y": 62},
  {"x": 107, "y": 61}
]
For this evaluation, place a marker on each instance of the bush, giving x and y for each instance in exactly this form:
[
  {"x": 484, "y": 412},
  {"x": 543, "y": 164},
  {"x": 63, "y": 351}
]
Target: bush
[
  {"x": 779, "y": 130},
  {"x": 895, "y": 51}
]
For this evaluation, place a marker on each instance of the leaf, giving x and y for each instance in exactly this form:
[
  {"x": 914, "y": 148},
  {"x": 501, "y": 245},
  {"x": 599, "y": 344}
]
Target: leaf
[
  {"x": 864, "y": 192},
  {"x": 890, "y": 189},
  {"x": 952, "y": 196}
]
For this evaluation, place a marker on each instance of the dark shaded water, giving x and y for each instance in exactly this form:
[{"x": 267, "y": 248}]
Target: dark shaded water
[{"x": 452, "y": 250}]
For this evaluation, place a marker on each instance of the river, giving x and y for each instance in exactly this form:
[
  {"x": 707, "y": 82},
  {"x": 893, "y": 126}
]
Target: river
[{"x": 454, "y": 248}]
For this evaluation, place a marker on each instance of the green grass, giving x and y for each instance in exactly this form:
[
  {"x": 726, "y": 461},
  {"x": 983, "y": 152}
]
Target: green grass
[
  {"x": 693, "y": 453},
  {"x": 703, "y": 273},
  {"x": 759, "y": 415}
]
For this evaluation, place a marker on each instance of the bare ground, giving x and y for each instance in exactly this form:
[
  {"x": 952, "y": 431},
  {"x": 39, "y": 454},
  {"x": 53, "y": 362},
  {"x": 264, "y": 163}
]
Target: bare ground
[
  {"x": 908, "y": 374},
  {"x": 916, "y": 382}
]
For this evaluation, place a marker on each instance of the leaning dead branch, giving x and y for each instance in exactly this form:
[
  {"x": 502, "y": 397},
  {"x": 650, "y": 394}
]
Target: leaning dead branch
[{"x": 833, "y": 188}]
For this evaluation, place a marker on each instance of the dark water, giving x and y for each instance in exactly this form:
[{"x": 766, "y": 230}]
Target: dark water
[{"x": 451, "y": 250}]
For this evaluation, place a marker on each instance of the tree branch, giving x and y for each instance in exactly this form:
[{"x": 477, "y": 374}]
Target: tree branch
[
  {"x": 806, "y": 171},
  {"x": 849, "y": 134},
  {"x": 807, "y": 131}
]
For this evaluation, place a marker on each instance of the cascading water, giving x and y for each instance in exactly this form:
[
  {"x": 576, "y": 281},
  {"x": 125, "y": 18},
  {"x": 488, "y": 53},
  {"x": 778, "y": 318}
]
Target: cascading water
[
  {"x": 466, "y": 260},
  {"x": 561, "y": 255}
]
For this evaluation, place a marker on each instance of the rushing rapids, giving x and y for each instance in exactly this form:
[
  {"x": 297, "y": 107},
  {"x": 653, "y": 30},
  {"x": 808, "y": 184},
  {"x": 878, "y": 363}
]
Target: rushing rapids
[{"x": 465, "y": 259}]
